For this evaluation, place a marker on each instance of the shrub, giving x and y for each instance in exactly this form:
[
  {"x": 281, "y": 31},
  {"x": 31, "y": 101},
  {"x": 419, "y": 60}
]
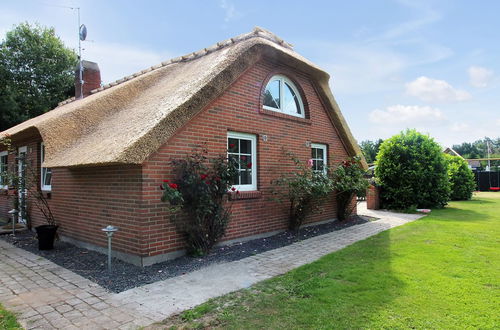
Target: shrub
[
  {"x": 462, "y": 182},
  {"x": 199, "y": 193},
  {"x": 348, "y": 181},
  {"x": 304, "y": 189},
  {"x": 411, "y": 170}
]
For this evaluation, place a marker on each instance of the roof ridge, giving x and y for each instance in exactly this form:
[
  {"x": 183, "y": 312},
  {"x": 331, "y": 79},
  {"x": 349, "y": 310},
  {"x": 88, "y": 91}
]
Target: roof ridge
[{"x": 257, "y": 32}]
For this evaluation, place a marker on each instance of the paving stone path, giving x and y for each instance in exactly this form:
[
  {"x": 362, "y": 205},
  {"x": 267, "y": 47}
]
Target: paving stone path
[{"x": 47, "y": 296}]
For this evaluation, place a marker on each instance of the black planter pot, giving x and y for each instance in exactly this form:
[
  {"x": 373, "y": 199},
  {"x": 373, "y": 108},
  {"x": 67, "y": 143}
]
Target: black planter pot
[{"x": 46, "y": 236}]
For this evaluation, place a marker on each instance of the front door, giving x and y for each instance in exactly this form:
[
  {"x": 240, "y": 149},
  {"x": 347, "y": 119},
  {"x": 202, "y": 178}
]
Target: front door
[{"x": 22, "y": 191}]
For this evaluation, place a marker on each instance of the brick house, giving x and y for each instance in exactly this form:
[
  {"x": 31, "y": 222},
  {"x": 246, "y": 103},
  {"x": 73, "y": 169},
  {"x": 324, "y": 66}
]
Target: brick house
[{"x": 105, "y": 155}]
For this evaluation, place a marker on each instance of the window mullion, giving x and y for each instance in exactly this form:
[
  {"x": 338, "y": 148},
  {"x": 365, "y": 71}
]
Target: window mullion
[{"x": 282, "y": 95}]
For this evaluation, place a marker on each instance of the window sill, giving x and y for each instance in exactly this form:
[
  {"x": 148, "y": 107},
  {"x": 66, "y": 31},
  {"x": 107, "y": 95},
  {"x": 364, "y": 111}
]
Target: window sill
[
  {"x": 285, "y": 116},
  {"x": 233, "y": 196}
]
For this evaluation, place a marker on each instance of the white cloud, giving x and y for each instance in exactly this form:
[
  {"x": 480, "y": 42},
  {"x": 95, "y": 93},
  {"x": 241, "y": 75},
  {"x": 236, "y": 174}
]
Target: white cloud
[
  {"x": 459, "y": 127},
  {"x": 433, "y": 90},
  {"x": 479, "y": 77},
  {"x": 230, "y": 10},
  {"x": 407, "y": 114}
]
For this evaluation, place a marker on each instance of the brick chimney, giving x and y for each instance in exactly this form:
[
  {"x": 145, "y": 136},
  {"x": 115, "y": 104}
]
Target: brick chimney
[{"x": 91, "y": 77}]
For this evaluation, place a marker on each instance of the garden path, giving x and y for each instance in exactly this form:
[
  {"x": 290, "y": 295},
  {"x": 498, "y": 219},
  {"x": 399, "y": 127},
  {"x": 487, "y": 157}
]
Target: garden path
[{"x": 47, "y": 296}]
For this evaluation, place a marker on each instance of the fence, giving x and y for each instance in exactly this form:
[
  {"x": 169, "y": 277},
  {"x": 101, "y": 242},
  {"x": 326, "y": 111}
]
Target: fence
[{"x": 487, "y": 179}]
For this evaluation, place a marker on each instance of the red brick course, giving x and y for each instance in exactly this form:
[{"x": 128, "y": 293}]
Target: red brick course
[{"x": 84, "y": 200}]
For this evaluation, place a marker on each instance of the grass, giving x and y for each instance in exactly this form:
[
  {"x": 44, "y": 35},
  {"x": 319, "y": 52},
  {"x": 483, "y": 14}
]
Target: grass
[
  {"x": 8, "y": 320},
  {"x": 440, "y": 272}
]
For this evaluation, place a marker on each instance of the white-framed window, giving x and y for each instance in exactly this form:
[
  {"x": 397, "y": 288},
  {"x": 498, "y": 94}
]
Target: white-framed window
[
  {"x": 3, "y": 169},
  {"x": 242, "y": 149},
  {"x": 282, "y": 95},
  {"x": 319, "y": 157},
  {"x": 46, "y": 173}
]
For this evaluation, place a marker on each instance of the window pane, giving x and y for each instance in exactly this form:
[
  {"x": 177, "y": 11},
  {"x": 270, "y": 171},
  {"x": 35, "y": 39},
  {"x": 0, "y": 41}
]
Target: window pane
[
  {"x": 313, "y": 153},
  {"x": 47, "y": 177},
  {"x": 244, "y": 161},
  {"x": 235, "y": 180},
  {"x": 319, "y": 153},
  {"x": 272, "y": 94},
  {"x": 291, "y": 103},
  {"x": 232, "y": 145},
  {"x": 246, "y": 177},
  {"x": 320, "y": 165},
  {"x": 3, "y": 168},
  {"x": 245, "y": 146}
]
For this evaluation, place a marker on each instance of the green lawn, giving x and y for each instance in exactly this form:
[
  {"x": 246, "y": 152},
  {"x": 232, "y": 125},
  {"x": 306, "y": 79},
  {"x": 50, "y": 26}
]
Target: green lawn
[
  {"x": 8, "y": 320},
  {"x": 440, "y": 272}
]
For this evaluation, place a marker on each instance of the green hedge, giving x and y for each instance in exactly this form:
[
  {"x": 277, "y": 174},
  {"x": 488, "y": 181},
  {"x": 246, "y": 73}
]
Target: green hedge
[
  {"x": 462, "y": 183},
  {"x": 412, "y": 171}
]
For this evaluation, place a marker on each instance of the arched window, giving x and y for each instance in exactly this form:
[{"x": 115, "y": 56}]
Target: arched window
[{"x": 281, "y": 95}]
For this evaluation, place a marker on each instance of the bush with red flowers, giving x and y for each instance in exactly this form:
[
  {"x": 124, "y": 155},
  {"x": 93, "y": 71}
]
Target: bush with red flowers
[
  {"x": 348, "y": 180},
  {"x": 304, "y": 189},
  {"x": 198, "y": 200}
]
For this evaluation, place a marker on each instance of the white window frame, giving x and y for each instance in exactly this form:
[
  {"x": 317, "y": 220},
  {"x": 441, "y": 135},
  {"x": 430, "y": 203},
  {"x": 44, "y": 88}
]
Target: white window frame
[
  {"x": 253, "y": 139},
  {"x": 283, "y": 80},
  {"x": 325, "y": 154},
  {"x": 3, "y": 185},
  {"x": 43, "y": 186}
]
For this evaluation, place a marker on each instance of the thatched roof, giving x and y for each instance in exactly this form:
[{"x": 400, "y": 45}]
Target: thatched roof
[
  {"x": 451, "y": 151},
  {"x": 126, "y": 121}
]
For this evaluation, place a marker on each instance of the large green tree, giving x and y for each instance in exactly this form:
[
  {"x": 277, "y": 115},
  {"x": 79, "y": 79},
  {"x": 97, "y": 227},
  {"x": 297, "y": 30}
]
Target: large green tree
[
  {"x": 412, "y": 172},
  {"x": 370, "y": 149},
  {"x": 36, "y": 72}
]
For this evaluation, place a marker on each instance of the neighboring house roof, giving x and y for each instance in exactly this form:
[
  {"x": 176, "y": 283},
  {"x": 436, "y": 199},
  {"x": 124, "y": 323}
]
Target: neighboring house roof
[
  {"x": 474, "y": 163},
  {"x": 126, "y": 121},
  {"x": 452, "y": 152}
]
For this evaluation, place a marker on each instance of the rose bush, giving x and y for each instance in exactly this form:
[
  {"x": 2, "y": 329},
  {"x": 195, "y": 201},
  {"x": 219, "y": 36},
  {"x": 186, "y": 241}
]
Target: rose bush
[{"x": 197, "y": 199}]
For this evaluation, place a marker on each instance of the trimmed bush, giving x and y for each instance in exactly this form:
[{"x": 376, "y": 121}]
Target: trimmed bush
[
  {"x": 412, "y": 172},
  {"x": 462, "y": 182}
]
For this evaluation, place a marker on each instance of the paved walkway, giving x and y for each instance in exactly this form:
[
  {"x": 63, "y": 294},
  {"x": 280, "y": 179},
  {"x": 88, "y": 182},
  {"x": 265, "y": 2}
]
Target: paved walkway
[{"x": 47, "y": 296}]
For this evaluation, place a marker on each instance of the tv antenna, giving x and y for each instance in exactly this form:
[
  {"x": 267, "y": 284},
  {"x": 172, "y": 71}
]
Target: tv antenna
[{"x": 82, "y": 35}]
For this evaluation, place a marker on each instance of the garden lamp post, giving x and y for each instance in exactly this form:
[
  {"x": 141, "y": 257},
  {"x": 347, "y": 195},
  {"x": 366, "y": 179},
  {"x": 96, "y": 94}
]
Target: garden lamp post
[
  {"x": 109, "y": 230},
  {"x": 13, "y": 214}
]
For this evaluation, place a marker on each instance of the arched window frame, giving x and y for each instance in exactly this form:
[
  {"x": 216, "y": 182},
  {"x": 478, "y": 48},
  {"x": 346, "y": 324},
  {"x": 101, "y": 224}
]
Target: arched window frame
[{"x": 283, "y": 79}]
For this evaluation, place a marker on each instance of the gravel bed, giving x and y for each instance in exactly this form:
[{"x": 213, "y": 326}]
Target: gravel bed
[{"x": 93, "y": 265}]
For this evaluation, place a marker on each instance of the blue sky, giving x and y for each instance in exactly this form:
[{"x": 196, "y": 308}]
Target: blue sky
[{"x": 430, "y": 65}]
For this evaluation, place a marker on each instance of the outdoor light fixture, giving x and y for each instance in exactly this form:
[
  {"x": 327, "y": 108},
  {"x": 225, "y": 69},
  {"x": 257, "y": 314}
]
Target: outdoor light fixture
[
  {"x": 13, "y": 214},
  {"x": 109, "y": 230}
]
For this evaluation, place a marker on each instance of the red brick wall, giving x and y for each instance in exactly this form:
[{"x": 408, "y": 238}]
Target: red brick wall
[
  {"x": 239, "y": 109},
  {"x": 32, "y": 144},
  {"x": 84, "y": 200},
  {"x": 373, "y": 198}
]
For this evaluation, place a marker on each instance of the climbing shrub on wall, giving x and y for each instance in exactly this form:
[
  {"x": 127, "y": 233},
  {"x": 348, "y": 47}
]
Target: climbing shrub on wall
[
  {"x": 348, "y": 181},
  {"x": 198, "y": 199}
]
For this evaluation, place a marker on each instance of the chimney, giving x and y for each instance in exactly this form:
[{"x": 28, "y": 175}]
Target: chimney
[{"x": 91, "y": 77}]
